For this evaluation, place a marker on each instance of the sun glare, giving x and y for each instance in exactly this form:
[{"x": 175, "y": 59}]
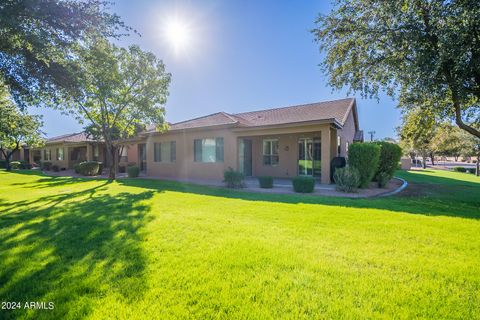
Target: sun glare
[{"x": 178, "y": 34}]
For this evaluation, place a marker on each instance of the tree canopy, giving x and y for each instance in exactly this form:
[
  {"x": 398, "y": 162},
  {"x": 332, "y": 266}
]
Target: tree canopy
[
  {"x": 425, "y": 52},
  {"x": 16, "y": 127},
  {"x": 122, "y": 91},
  {"x": 36, "y": 43}
]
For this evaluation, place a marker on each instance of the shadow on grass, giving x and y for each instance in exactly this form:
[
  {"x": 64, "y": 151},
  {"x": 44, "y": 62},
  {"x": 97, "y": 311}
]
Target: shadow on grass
[{"x": 77, "y": 251}]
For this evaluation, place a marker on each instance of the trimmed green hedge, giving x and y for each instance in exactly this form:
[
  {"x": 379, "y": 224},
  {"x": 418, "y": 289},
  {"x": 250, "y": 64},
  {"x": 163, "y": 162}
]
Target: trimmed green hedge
[
  {"x": 3, "y": 164},
  {"x": 233, "y": 179},
  {"x": 303, "y": 184},
  {"x": 88, "y": 168},
  {"x": 133, "y": 171},
  {"x": 265, "y": 182},
  {"x": 16, "y": 165},
  {"x": 364, "y": 157},
  {"x": 390, "y": 154},
  {"x": 459, "y": 169}
]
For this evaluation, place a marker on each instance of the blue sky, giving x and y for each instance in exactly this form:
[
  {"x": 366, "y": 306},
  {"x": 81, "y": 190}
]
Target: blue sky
[{"x": 240, "y": 56}]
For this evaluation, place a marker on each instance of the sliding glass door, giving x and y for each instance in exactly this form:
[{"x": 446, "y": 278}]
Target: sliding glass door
[{"x": 309, "y": 156}]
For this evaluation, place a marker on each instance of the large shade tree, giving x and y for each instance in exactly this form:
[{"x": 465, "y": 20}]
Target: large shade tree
[
  {"x": 37, "y": 38},
  {"x": 426, "y": 52},
  {"x": 123, "y": 90},
  {"x": 16, "y": 127}
]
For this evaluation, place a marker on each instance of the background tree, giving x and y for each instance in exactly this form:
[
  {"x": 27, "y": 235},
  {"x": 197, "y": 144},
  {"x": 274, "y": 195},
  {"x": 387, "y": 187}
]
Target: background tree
[
  {"x": 448, "y": 141},
  {"x": 417, "y": 133},
  {"x": 36, "y": 42},
  {"x": 16, "y": 127},
  {"x": 427, "y": 52},
  {"x": 123, "y": 90}
]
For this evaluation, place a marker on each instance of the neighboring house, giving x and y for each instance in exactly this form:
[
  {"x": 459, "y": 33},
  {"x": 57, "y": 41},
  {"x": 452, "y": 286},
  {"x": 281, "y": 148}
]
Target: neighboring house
[
  {"x": 67, "y": 150},
  {"x": 281, "y": 142},
  {"x": 22, "y": 154}
]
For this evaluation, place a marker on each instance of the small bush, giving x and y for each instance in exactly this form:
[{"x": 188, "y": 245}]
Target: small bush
[
  {"x": 46, "y": 165},
  {"x": 265, "y": 182},
  {"x": 382, "y": 179},
  {"x": 27, "y": 166},
  {"x": 459, "y": 169},
  {"x": 233, "y": 179},
  {"x": 122, "y": 169},
  {"x": 390, "y": 154},
  {"x": 471, "y": 170},
  {"x": 303, "y": 184},
  {"x": 347, "y": 179},
  {"x": 55, "y": 168},
  {"x": 88, "y": 168},
  {"x": 16, "y": 165},
  {"x": 133, "y": 171},
  {"x": 337, "y": 162},
  {"x": 364, "y": 157},
  {"x": 76, "y": 168},
  {"x": 3, "y": 164},
  {"x": 100, "y": 168}
]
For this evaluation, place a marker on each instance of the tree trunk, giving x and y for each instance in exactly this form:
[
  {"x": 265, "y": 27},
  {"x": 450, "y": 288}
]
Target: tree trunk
[
  {"x": 456, "y": 158},
  {"x": 432, "y": 158},
  {"x": 7, "y": 156},
  {"x": 478, "y": 165},
  {"x": 424, "y": 162},
  {"x": 111, "y": 160}
]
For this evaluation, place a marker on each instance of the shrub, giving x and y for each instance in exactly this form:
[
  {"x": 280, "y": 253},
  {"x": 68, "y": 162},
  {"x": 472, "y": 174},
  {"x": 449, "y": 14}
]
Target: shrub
[
  {"x": 382, "y": 179},
  {"x": 46, "y": 165},
  {"x": 76, "y": 168},
  {"x": 390, "y": 154},
  {"x": 303, "y": 184},
  {"x": 471, "y": 170},
  {"x": 364, "y": 157},
  {"x": 133, "y": 171},
  {"x": 27, "y": 166},
  {"x": 346, "y": 179},
  {"x": 16, "y": 165},
  {"x": 3, "y": 164},
  {"x": 55, "y": 168},
  {"x": 233, "y": 179},
  {"x": 122, "y": 169},
  {"x": 100, "y": 168},
  {"x": 88, "y": 168},
  {"x": 337, "y": 162},
  {"x": 265, "y": 182},
  {"x": 459, "y": 169}
]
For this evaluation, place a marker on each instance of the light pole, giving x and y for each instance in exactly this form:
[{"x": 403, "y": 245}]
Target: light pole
[{"x": 371, "y": 133}]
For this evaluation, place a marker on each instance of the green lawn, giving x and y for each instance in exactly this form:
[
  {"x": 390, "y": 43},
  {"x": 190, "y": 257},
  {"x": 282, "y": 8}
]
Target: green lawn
[{"x": 148, "y": 249}]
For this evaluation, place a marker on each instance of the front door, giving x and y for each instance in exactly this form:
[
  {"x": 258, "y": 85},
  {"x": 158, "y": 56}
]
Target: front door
[
  {"x": 142, "y": 156},
  {"x": 245, "y": 157},
  {"x": 309, "y": 156}
]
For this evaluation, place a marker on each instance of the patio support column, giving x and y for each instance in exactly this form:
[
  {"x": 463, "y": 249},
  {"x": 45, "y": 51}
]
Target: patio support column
[
  {"x": 89, "y": 152},
  {"x": 326, "y": 154},
  {"x": 67, "y": 156}
]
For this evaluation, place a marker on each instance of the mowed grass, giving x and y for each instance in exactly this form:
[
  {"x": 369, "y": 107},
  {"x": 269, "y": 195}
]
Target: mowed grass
[{"x": 144, "y": 249}]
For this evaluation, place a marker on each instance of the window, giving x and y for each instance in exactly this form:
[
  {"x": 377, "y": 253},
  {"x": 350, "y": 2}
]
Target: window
[
  {"x": 270, "y": 152},
  {"x": 339, "y": 145},
  {"x": 59, "y": 152},
  {"x": 47, "y": 154},
  {"x": 165, "y": 152},
  {"x": 208, "y": 150}
]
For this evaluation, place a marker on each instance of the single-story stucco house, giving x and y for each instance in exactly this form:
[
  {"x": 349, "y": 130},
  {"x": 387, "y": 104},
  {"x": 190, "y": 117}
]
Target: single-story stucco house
[{"x": 280, "y": 142}]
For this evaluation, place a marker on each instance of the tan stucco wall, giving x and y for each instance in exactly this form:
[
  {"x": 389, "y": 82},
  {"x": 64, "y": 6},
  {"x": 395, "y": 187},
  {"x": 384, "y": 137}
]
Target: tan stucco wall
[
  {"x": 346, "y": 134},
  {"x": 184, "y": 166},
  {"x": 67, "y": 163}
]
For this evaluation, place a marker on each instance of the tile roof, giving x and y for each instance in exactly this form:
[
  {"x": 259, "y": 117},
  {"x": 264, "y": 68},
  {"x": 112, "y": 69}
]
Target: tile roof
[
  {"x": 336, "y": 110},
  {"x": 71, "y": 137}
]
